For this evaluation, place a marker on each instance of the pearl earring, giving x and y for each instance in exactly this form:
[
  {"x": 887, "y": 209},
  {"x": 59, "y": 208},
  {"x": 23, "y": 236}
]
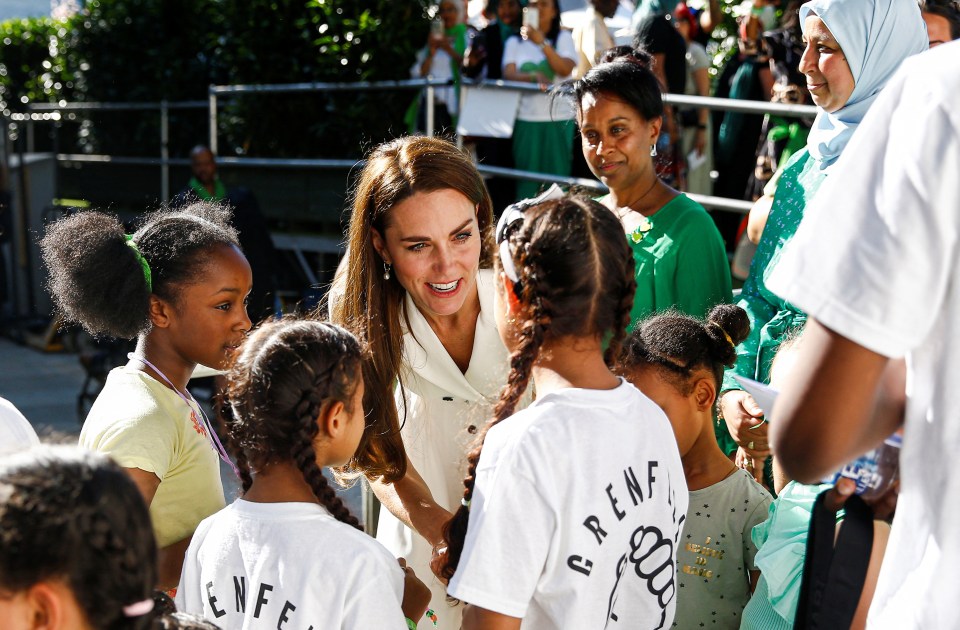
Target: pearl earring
[
  {"x": 653, "y": 150},
  {"x": 386, "y": 270}
]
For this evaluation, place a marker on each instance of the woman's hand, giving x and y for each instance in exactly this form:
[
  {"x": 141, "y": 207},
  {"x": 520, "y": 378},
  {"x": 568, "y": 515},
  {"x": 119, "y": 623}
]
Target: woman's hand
[
  {"x": 532, "y": 34},
  {"x": 700, "y": 141},
  {"x": 745, "y": 422},
  {"x": 416, "y": 594},
  {"x": 437, "y": 40}
]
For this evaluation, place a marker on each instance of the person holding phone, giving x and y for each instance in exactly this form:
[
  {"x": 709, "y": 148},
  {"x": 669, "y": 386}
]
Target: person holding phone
[
  {"x": 544, "y": 131},
  {"x": 442, "y": 57}
]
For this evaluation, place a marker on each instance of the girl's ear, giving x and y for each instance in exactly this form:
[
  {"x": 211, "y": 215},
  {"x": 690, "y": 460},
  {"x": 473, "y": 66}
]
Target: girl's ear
[
  {"x": 332, "y": 419},
  {"x": 512, "y": 301},
  {"x": 379, "y": 244},
  {"x": 46, "y": 606},
  {"x": 704, "y": 393},
  {"x": 160, "y": 312}
]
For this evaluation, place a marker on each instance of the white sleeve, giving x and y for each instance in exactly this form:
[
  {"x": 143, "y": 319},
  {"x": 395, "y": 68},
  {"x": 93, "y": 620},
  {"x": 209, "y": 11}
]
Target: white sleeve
[
  {"x": 510, "y": 50},
  {"x": 874, "y": 254},
  {"x": 503, "y": 559},
  {"x": 188, "y": 598},
  {"x": 376, "y": 596}
]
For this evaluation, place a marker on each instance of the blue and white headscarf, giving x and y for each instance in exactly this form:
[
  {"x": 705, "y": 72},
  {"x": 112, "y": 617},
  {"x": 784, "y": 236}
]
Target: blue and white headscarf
[{"x": 875, "y": 36}]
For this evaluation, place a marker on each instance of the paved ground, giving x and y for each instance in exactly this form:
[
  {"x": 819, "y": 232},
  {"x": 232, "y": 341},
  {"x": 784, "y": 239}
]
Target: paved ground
[{"x": 45, "y": 386}]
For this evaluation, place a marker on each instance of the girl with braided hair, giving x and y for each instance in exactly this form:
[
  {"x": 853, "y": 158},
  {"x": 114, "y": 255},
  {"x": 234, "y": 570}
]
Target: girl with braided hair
[
  {"x": 76, "y": 547},
  {"x": 572, "y": 507},
  {"x": 288, "y": 551},
  {"x": 678, "y": 361},
  {"x": 179, "y": 285}
]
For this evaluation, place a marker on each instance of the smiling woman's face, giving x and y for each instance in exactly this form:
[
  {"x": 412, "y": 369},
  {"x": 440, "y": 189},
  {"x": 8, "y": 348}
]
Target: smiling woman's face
[
  {"x": 823, "y": 63},
  {"x": 432, "y": 239},
  {"x": 616, "y": 140}
]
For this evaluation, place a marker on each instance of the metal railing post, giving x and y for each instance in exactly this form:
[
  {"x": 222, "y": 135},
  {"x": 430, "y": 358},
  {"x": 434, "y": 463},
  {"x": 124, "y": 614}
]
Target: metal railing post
[
  {"x": 213, "y": 120},
  {"x": 431, "y": 94},
  {"x": 459, "y": 89},
  {"x": 164, "y": 151}
]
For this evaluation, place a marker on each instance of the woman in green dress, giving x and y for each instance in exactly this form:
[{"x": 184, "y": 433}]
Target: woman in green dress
[
  {"x": 680, "y": 258},
  {"x": 852, "y": 50}
]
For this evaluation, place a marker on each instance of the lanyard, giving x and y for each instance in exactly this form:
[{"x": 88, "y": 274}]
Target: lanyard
[{"x": 214, "y": 440}]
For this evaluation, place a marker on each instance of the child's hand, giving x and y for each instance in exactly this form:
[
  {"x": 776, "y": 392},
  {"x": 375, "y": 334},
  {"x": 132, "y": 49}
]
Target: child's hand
[
  {"x": 416, "y": 594},
  {"x": 752, "y": 466},
  {"x": 883, "y": 506}
]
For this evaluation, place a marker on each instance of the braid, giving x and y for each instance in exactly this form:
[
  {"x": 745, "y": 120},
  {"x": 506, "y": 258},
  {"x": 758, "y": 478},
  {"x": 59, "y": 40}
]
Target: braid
[
  {"x": 306, "y": 459},
  {"x": 576, "y": 273},
  {"x": 623, "y": 311},
  {"x": 531, "y": 336},
  {"x": 282, "y": 378},
  {"x": 243, "y": 467}
]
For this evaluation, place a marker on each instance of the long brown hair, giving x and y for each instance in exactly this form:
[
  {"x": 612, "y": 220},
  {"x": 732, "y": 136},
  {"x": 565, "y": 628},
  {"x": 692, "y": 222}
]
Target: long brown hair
[
  {"x": 575, "y": 279},
  {"x": 370, "y": 306}
]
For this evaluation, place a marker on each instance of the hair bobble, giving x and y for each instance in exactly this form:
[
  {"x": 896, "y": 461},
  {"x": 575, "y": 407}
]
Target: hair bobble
[
  {"x": 143, "y": 261},
  {"x": 138, "y": 609},
  {"x": 723, "y": 332}
]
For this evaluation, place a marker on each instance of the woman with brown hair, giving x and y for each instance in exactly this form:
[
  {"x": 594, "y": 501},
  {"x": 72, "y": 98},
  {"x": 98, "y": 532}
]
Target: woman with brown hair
[{"x": 417, "y": 288}]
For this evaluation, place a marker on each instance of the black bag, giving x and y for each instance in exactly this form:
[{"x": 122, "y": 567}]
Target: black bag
[{"x": 833, "y": 574}]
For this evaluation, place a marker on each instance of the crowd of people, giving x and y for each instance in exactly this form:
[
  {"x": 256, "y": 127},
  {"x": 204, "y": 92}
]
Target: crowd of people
[{"x": 549, "y": 399}]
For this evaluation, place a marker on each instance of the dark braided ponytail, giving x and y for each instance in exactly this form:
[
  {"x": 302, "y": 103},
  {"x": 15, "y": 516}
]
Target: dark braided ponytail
[
  {"x": 576, "y": 278},
  {"x": 284, "y": 375},
  {"x": 74, "y": 515},
  {"x": 679, "y": 345}
]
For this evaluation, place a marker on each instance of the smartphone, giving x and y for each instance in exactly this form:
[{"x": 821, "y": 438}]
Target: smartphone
[
  {"x": 436, "y": 27},
  {"x": 531, "y": 17}
]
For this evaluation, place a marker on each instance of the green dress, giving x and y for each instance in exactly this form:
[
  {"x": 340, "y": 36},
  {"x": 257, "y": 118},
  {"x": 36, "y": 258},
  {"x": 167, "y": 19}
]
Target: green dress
[
  {"x": 681, "y": 262},
  {"x": 771, "y": 318}
]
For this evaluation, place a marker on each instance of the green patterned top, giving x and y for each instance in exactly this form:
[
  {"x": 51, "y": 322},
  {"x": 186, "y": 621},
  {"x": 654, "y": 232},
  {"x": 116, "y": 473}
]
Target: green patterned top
[
  {"x": 771, "y": 318},
  {"x": 680, "y": 262}
]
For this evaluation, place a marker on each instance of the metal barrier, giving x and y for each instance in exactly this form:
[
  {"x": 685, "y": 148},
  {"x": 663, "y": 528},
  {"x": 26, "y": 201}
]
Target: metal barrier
[
  {"x": 53, "y": 112},
  {"x": 39, "y": 112},
  {"x": 216, "y": 91}
]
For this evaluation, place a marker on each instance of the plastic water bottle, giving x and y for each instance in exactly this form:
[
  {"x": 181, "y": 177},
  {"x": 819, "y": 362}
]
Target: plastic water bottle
[{"x": 874, "y": 471}]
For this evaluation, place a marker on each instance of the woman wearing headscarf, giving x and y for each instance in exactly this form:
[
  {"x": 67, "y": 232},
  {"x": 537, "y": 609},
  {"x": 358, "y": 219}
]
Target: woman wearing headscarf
[{"x": 852, "y": 49}]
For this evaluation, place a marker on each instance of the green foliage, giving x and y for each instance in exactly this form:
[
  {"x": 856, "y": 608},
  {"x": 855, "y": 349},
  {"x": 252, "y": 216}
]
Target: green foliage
[
  {"x": 150, "y": 50},
  {"x": 33, "y": 64},
  {"x": 362, "y": 40}
]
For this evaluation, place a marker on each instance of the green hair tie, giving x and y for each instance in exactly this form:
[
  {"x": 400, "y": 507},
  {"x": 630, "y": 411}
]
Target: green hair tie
[{"x": 143, "y": 261}]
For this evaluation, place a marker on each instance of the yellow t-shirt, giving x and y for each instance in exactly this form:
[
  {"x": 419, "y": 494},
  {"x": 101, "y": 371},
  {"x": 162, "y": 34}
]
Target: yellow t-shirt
[{"x": 143, "y": 424}]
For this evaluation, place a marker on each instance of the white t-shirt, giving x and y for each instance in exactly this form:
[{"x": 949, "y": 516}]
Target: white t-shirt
[
  {"x": 876, "y": 259},
  {"x": 289, "y": 565},
  {"x": 576, "y": 514},
  {"x": 441, "y": 69},
  {"x": 16, "y": 432},
  {"x": 527, "y": 56}
]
